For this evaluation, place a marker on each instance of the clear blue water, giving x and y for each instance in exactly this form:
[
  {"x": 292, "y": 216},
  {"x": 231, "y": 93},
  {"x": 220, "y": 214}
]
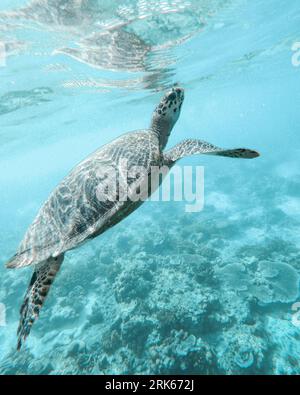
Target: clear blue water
[{"x": 165, "y": 291}]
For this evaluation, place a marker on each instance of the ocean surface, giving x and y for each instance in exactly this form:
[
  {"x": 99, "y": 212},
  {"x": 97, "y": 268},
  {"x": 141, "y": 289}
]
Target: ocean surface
[{"x": 165, "y": 291}]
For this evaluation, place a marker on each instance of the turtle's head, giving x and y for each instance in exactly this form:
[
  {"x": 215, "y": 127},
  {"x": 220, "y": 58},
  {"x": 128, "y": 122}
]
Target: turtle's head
[{"x": 166, "y": 114}]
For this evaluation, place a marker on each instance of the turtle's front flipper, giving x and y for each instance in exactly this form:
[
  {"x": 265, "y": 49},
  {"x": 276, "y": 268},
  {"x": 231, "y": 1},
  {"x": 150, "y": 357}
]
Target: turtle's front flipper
[
  {"x": 243, "y": 153},
  {"x": 194, "y": 147},
  {"x": 41, "y": 281}
]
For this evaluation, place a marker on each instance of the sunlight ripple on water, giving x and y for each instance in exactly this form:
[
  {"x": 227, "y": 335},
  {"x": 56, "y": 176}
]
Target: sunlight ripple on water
[{"x": 133, "y": 37}]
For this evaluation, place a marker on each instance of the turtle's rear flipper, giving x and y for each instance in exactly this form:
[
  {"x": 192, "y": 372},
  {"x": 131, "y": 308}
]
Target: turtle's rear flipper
[{"x": 41, "y": 281}]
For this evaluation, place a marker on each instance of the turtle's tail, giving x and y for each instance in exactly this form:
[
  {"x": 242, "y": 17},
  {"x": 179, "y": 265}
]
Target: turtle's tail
[{"x": 41, "y": 281}]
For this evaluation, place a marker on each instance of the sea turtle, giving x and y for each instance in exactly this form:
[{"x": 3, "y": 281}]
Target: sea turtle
[{"x": 76, "y": 212}]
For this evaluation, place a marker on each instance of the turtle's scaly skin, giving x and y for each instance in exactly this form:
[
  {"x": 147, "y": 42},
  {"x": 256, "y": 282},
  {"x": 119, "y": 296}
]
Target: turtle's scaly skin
[
  {"x": 37, "y": 291},
  {"x": 193, "y": 147}
]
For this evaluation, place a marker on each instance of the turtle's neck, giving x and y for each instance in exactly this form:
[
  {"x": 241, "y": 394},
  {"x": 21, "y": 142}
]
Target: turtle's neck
[{"x": 162, "y": 128}]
